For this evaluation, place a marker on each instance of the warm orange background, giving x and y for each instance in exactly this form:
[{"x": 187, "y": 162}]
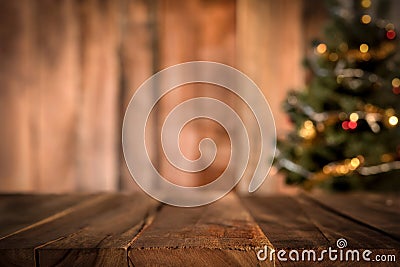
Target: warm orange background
[{"x": 68, "y": 69}]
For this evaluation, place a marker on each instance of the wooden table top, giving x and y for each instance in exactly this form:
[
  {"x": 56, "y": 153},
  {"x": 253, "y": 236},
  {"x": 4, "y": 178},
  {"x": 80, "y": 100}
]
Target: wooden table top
[{"x": 134, "y": 230}]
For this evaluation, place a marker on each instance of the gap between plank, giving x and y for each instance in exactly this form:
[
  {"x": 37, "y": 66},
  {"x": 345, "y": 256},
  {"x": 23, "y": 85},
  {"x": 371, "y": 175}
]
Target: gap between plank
[
  {"x": 146, "y": 222},
  {"x": 36, "y": 252},
  {"x": 343, "y": 215}
]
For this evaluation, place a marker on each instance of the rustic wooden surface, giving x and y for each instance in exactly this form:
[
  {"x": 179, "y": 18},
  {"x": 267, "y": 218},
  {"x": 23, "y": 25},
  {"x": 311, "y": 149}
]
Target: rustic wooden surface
[
  {"x": 222, "y": 234},
  {"x": 134, "y": 230},
  {"x": 317, "y": 221}
]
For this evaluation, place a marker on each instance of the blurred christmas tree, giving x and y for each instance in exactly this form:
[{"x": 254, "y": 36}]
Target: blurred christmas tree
[{"x": 347, "y": 133}]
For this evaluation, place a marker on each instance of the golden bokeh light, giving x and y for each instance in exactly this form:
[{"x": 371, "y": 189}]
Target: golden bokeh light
[
  {"x": 396, "y": 82},
  {"x": 364, "y": 48},
  {"x": 366, "y": 3},
  {"x": 354, "y": 116},
  {"x": 354, "y": 163},
  {"x": 366, "y": 19},
  {"x": 393, "y": 120},
  {"x": 321, "y": 48}
]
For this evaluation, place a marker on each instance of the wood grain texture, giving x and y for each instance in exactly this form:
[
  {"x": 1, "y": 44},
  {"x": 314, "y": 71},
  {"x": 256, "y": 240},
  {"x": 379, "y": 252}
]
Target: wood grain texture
[
  {"x": 269, "y": 50},
  {"x": 302, "y": 223},
  {"x": 378, "y": 212},
  {"x": 137, "y": 57},
  {"x": 207, "y": 30},
  {"x": 20, "y": 211},
  {"x": 55, "y": 97},
  {"x": 220, "y": 234},
  {"x": 284, "y": 222},
  {"x": 334, "y": 226},
  {"x": 98, "y": 132},
  {"x": 97, "y": 231},
  {"x": 17, "y": 77},
  {"x": 134, "y": 230}
]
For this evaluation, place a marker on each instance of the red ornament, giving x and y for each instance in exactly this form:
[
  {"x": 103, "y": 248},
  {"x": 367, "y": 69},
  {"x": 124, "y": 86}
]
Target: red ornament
[
  {"x": 390, "y": 34},
  {"x": 396, "y": 90},
  {"x": 345, "y": 125},
  {"x": 352, "y": 125}
]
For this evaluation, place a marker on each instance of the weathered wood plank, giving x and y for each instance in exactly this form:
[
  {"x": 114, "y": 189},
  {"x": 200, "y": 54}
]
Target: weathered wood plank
[
  {"x": 300, "y": 223},
  {"x": 284, "y": 222},
  {"x": 96, "y": 232},
  {"x": 376, "y": 211},
  {"x": 121, "y": 229},
  {"x": 220, "y": 234},
  {"x": 334, "y": 226},
  {"x": 358, "y": 236},
  {"x": 19, "y": 211}
]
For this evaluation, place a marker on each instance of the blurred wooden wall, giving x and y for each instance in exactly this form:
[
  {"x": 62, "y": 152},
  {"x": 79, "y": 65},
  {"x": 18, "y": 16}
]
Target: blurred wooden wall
[
  {"x": 60, "y": 95},
  {"x": 68, "y": 69}
]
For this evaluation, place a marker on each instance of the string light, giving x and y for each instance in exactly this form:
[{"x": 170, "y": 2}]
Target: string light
[
  {"x": 321, "y": 48},
  {"x": 354, "y": 163},
  {"x": 393, "y": 120},
  {"x": 354, "y": 117},
  {"x": 366, "y": 19},
  {"x": 363, "y": 53},
  {"x": 308, "y": 124},
  {"x": 308, "y": 130},
  {"x": 345, "y": 125},
  {"x": 349, "y": 125},
  {"x": 363, "y": 115},
  {"x": 396, "y": 82},
  {"x": 341, "y": 168},
  {"x": 390, "y": 34},
  {"x": 352, "y": 125},
  {"x": 366, "y": 3},
  {"x": 370, "y": 113},
  {"x": 364, "y": 48}
]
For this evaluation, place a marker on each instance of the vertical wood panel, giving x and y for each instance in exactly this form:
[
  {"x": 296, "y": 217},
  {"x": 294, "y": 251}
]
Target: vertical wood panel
[
  {"x": 97, "y": 155},
  {"x": 270, "y": 48},
  {"x": 137, "y": 61},
  {"x": 56, "y": 95},
  {"x": 189, "y": 31},
  {"x": 178, "y": 25},
  {"x": 217, "y": 43},
  {"x": 17, "y": 78},
  {"x": 269, "y": 51}
]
